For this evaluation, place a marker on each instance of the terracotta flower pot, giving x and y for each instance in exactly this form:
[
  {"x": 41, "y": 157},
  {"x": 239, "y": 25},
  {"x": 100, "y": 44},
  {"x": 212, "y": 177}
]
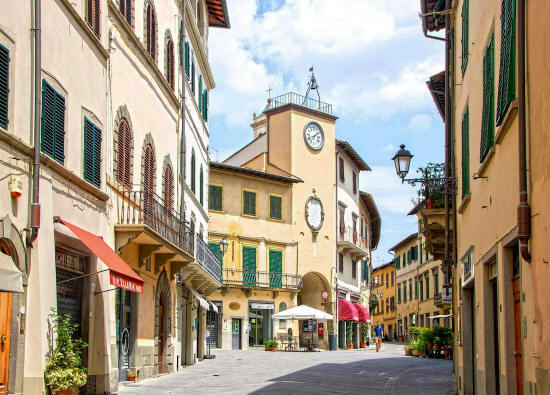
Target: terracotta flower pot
[
  {"x": 436, "y": 346},
  {"x": 408, "y": 351},
  {"x": 270, "y": 348},
  {"x": 400, "y": 338},
  {"x": 430, "y": 203},
  {"x": 69, "y": 391},
  {"x": 349, "y": 346},
  {"x": 131, "y": 378},
  {"x": 362, "y": 345}
]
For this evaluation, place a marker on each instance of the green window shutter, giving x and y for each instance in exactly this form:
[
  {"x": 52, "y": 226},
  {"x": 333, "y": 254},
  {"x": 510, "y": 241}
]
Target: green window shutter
[
  {"x": 275, "y": 207},
  {"x": 53, "y": 123},
  {"x": 404, "y": 292},
  {"x": 275, "y": 268},
  {"x": 404, "y": 260},
  {"x": 180, "y": 43},
  {"x": 409, "y": 255},
  {"x": 193, "y": 73},
  {"x": 465, "y": 33},
  {"x": 466, "y": 153},
  {"x": 200, "y": 94},
  {"x": 421, "y": 255},
  {"x": 399, "y": 295},
  {"x": 187, "y": 59},
  {"x": 205, "y": 105},
  {"x": 215, "y": 197},
  {"x": 410, "y": 290},
  {"x": 4, "y": 85},
  {"x": 201, "y": 187},
  {"x": 488, "y": 114},
  {"x": 415, "y": 253},
  {"x": 193, "y": 172},
  {"x": 249, "y": 266},
  {"x": 249, "y": 203},
  {"x": 416, "y": 289},
  {"x": 92, "y": 153},
  {"x": 215, "y": 248},
  {"x": 397, "y": 262},
  {"x": 507, "y": 74}
]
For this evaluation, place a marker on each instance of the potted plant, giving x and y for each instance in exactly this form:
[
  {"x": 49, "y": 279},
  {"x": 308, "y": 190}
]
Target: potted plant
[
  {"x": 349, "y": 335},
  {"x": 408, "y": 350},
  {"x": 364, "y": 334},
  {"x": 432, "y": 190},
  {"x": 270, "y": 345},
  {"x": 429, "y": 337},
  {"x": 437, "y": 343},
  {"x": 132, "y": 374},
  {"x": 64, "y": 373}
]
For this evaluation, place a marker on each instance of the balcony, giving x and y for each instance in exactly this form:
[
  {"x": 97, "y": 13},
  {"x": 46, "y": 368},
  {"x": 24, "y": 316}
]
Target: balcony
[
  {"x": 350, "y": 241},
  {"x": 295, "y": 98},
  {"x": 261, "y": 280},
  {"x": 444, "y": 298},
  {"x": 163, "y": 239},
  {"x": 434, "y": 230}
]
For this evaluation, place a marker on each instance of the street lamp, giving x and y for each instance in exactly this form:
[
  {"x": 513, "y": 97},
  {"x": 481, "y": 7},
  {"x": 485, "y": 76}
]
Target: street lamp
[
  {"x": 223, "y": 246},
  {"x": 402, "y": 160}
]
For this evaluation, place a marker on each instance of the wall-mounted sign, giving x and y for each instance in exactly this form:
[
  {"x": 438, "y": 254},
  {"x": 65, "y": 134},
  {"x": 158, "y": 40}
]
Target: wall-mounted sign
[
  {"x": 315, "y": 214},
  {"x": 467, "y": 267},
  {"x": 262, "y": 306},
  {"x": 324, "y": 295},
  {"x": 234, "y": 306}
]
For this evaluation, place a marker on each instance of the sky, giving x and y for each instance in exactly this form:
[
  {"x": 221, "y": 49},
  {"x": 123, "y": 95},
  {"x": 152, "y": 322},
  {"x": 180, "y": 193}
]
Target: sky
[{"x": 371, "y": 62}]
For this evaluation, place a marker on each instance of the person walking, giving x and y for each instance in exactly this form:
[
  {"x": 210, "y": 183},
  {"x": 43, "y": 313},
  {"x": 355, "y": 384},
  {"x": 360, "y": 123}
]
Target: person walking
[{"x": 378, "y": 333}]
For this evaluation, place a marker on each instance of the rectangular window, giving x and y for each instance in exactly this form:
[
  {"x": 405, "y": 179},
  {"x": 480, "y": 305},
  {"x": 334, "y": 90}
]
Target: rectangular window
[
  {"x": 436, "y": 282},
  {"x": 53, "y": 123},
  {"x": 428, "y": 285},
  {"x": 392, "y": 303},
  {"x": 353, "y": 269},
  {"x": 93, "y": 16},
  {"x": 249, "y": 203},
  {"x": 249, "y": 266},
  {"x": 465, "y": 33},
  {"x": 4, "y": 85},
  {"x": 421, "y": 290},
  {"x": 92, "y": 153},
  {"x": 399, "y": 293},
  {"x": 392, "y": 279},
  {"x": 404, "y": 292},
  {"x": 275, "y": 269},
  {"x": 205, "y": 105},
  {"x": 187, "y": 61},
  {"x": 215, "y": 198},
  {"x": 398, "y": 262},
  {"x": 466, "y": 153},
  {"x": 275, "y": 207},
  {"x": 341, "y": 162},
  {"x": 404, "y": 260},
  {"x": 387, "y": 282},
  {"x": 354, "y": 183},
  {"x": 416, "y": 289},
  {"x": 200, "y": 94},
  {"x": 410, "y": 290},
  {"x": 340, "y": 263},
  {"x": 488, "y": 114},
  {"x": 507, "y": 73}
]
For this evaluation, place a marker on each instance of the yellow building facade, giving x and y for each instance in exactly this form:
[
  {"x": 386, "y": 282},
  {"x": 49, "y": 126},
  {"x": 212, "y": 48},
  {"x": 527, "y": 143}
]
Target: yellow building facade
[{"x": 383, "y": 291}]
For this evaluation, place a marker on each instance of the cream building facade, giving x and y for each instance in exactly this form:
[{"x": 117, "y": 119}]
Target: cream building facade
[{"x": 121, "y": 117}]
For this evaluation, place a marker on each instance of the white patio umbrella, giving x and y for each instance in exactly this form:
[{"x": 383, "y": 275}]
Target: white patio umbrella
[{"x": 302, "y": 312}]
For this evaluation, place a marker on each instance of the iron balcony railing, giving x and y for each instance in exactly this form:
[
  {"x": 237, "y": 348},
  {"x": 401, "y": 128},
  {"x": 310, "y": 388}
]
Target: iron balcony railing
[
  {"x": 351, "y": 235},
  {"x": 261, "y": 279},
  {"x": 207, "y": 259},
  {"x": 146, "y": 208},
  {"x": 441, "y": 299},
  {"x": 294, "y": 98}
]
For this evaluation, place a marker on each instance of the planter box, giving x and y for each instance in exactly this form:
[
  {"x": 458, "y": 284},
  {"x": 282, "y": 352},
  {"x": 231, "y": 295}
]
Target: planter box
[
  {"x": 271, "y": 348},
  {"x": 362, "y": 345},
  {"x": 70, "y": 391},
  {"x": 349, "y": 346}
]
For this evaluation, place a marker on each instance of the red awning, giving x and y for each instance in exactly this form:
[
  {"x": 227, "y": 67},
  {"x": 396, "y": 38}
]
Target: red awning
[
  {"x": 347, "y": 311},
  {"x": 121, "y": 274},
  {"x": 364, "y": 315}
]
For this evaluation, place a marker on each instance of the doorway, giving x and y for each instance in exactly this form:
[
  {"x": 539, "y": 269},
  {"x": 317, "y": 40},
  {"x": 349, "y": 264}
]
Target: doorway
[
  {"x": 468, "y": 320},
  {"x": 161, "y": 340},
  {"x": 123, "y": 309},
  {"x": 517, "y": 335},
  {"x": 5, "y": 337},
  {"x": 494, "y": 319},
  {"x": 236, "y": 334},
  {"x": 259, "y": 324}
]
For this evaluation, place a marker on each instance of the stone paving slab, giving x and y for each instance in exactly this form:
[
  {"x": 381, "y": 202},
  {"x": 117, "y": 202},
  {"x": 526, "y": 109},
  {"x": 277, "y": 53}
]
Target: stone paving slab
[{"x": 342, "y": 372}]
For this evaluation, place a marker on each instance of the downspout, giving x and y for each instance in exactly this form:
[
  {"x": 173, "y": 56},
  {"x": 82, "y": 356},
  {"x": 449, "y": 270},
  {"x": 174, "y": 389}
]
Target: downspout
[
  {"x": 524, "y": 210},
  {"x": 448, "y": 138},
  {"x": 182, "y": 143},
  {"x": 336, "y": 256},
  {"x": 37, "y": 66}
]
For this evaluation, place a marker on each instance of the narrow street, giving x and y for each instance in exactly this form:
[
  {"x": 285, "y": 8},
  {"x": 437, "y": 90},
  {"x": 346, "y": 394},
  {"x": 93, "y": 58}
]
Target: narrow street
[{"x": 259, "y": 372}]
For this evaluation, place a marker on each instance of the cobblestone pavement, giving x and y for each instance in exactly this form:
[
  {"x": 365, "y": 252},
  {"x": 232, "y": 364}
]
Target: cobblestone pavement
[{"x": 343, "y": 372}]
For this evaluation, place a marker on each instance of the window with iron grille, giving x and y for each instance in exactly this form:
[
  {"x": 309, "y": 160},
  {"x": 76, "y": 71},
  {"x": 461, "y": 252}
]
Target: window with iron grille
[
  {"x": 507, "y": 74},
  {"x": 466, "y": 153},
  {"x": 53, "y": 123},
  {"x": 193, "y": 171},
  {"x": 93, "y": 16},
  {"x": 151, "y": 30},
  {"x": 168, "y": 190},
  {"x": 127, "y": 11},
  {"x": 201, "y": 186},
  {"x": 4, "y": 85},
  {"x": 465, "y": 33},
  {"x": 169, "y": 62},
  {"x": 92, "y": 153},
  {"x": 215, "y": 199},
  {"x": 249, "y": 203},
  {"x": 124, "y": 154},
  {"x": 488, "y": 114},
  {"x": 341, "y": 162},
  {"x": 275, "y": 207}
]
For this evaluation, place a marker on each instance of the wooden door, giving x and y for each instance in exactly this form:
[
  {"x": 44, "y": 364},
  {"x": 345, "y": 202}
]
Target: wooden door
[
  {"x": 161, "y": 332},
  {"x": 5, "y": 329},
  {"x": 517, "y": 336}
]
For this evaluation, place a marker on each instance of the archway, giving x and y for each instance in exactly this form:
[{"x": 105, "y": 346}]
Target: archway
[
  {"x": 314, "y": 284},
  {"x": 163, "y": 323}
]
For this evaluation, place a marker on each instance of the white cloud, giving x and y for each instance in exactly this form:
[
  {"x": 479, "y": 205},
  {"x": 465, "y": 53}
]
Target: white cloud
[
  {"x": 389, "y": 148},
  {"x": 419, "y": 123}
]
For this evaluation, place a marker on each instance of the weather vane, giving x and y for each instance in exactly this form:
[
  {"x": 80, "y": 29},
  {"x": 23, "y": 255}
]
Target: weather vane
[{"x": 312, "y": 86}]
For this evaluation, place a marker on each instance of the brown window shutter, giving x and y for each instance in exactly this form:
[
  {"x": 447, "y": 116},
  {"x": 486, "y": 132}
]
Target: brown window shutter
[
  {"x": 149, "y": 182},
  {"x": 341, "y": 161},
  {"x": 124, "y": 160},
  {"x": 168, "y": 189},
  {"x": 97, "y": 18}
]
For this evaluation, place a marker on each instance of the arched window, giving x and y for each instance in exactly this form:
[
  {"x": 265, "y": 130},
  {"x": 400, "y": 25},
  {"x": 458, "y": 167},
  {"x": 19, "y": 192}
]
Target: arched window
[
  {"x": 169, "y": 61},
  {"x": 282, "y": 323},
  {"x": 168, "y": 189},
  {"x": 127, "y": 11},
  {"x": 201, "y": 187},
  {"x": 151, "y": 30},
  {"x": 124, "y": 154},
  {"x": 193, "y": 171},
  {"x": 282, "y": 306},
  {"x": 93, "y": 16},
  {"x": 149, "y": 180}
]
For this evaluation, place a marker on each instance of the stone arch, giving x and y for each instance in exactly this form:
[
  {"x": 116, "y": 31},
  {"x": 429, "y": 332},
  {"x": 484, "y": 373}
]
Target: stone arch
[
  {"x": 122, "y": 116},
  {"x": 165, "y": 349},
  {"x": 313, "y": 283}
]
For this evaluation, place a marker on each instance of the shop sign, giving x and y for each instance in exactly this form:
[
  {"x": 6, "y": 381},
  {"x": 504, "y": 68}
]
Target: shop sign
[
  {"x": 324, "y": 294},
  {"x": 125, "y": 283},
  {"x": 262, "y": 306}
]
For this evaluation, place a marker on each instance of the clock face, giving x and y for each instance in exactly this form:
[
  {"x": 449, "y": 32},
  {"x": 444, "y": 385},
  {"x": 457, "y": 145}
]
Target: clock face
[
  {"x": 314, "y": 213},
  {"x": 314, "y": 136}
]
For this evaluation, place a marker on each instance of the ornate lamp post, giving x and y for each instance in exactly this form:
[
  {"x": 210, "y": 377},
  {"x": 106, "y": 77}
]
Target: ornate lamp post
[{"x": 223, "y": 246}]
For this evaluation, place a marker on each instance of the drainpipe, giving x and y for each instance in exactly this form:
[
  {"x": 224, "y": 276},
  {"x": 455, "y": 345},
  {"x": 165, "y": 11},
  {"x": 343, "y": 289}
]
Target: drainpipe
[
  {"x": 37, "y": 65},
  {"x": 336, "y": 256},
  {"x": 524, "y": 210},
  {"x": 182, "y": 143},
  {"x": 448, "y": 138}
]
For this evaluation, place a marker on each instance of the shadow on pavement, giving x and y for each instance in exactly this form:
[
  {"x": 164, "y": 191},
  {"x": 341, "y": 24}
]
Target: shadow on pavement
[{"x": 371, "y": 376}]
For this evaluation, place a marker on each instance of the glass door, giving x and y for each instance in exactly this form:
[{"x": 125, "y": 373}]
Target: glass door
[{"x": 123, "y": 316}]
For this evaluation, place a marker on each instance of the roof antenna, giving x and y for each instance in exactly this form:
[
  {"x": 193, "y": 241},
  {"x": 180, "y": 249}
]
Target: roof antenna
[{"x": 312, "y": 86}]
